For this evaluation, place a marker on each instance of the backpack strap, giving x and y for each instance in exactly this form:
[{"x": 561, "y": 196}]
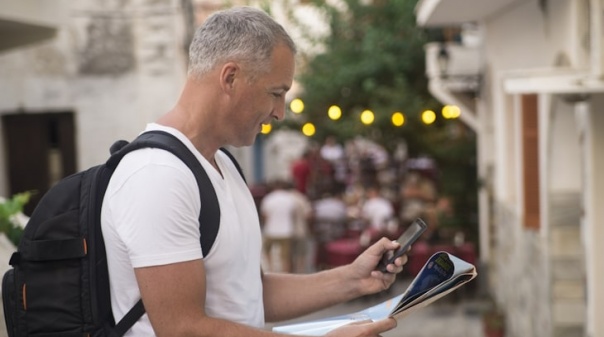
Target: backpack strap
[
  {"x": 137, "y": 311},
  {"x": 230, "y": 155},
  {"x": 209, "y": 216}
]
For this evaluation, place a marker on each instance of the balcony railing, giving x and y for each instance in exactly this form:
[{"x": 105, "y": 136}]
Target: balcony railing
[{"x": 458, "y": 66}]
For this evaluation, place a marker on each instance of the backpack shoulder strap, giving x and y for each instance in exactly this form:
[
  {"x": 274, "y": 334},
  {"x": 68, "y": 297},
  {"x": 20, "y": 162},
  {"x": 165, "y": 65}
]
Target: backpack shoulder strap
[
  {"x": 230, "y": 155},
  {"x": 209, "y": 217},
  {"x": 131, "y": 317}
]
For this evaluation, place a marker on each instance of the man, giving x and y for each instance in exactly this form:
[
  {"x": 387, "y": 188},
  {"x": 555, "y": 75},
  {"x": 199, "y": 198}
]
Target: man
[{"x": 241, "y": 66}]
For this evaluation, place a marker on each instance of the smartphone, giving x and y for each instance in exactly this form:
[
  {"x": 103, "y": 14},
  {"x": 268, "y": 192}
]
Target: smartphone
[{"x": 413, "y": 232}]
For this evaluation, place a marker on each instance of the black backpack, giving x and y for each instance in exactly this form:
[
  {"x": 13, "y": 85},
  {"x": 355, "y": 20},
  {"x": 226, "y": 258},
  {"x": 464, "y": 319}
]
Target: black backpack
[{"x": 59, "y": 283}]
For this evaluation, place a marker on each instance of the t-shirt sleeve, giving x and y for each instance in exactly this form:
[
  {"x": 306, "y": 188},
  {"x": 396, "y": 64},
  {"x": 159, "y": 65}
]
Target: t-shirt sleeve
[{"x": 156, "y": 209}]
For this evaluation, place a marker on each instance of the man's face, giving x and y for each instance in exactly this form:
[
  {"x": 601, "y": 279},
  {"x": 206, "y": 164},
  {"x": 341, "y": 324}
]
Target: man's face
[{"x": 263, "y": 100}]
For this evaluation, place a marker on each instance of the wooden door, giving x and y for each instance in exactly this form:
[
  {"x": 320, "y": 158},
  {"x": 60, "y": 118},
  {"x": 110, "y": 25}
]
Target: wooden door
[{"x": 40, "y": 150}]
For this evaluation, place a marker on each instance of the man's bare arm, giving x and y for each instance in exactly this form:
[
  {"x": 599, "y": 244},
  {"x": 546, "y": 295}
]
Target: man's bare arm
[
  {"x": 288, "y": 296},
  {"x": 174, "y": 297}
]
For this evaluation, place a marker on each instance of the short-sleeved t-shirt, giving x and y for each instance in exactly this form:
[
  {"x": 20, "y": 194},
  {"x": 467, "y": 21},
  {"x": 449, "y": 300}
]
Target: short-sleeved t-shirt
[{"x": 150, "y": 217}]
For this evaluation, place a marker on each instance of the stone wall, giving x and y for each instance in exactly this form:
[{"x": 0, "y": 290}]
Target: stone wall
[
  {"x": 539, "y": 276},
  {"x": 568, "y": 266},
  {"x": 521, "y": 281}
]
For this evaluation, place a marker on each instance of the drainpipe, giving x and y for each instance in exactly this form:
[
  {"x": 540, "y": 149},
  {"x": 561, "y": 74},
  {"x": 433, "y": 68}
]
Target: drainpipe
[{"x": 595, "y": 12}]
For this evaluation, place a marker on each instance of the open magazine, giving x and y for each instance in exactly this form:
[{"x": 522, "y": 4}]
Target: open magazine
[{"x": 441, "y": 274}]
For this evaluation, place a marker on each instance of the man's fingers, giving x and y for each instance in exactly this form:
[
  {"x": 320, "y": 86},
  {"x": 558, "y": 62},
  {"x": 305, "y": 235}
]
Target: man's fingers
[{"x": 383, "y": 325}]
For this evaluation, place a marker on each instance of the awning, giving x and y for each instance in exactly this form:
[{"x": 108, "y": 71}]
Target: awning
[
  {"x": 551, "y": 81},
  {"x": 438, "y": 13},
  {"x": 27, "y": 21}
]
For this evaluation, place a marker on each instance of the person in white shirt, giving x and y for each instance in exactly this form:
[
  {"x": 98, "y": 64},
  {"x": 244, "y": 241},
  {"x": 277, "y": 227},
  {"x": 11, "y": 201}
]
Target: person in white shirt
[
  {"x": 278, "y": 219},
  {"x": 241, "y": 65},
  {"x": 377, "y": 211}
]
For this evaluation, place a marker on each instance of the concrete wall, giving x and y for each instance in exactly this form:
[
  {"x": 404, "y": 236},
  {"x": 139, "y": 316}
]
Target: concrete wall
[
  {"x": 525, "y": 37},
  {"x": 591, "y": 123},
  {"x": 522, "y": 278},
  {"x": 116, "y": 65}
]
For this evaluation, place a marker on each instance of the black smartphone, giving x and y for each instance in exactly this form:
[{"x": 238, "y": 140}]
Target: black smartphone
[{"x": 413, "y": 232}]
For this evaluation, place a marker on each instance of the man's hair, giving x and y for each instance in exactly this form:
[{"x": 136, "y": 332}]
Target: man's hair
[{"x": 241, "y": 34}]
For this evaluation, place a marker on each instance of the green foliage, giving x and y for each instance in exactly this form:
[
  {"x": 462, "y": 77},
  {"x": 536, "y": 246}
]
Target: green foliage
[
  {"x": 374, "y": 59},
  {"x": 8, "y": 209}
]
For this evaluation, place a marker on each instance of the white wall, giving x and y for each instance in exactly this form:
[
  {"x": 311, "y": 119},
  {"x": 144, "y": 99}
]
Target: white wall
[
  {"x": 107, "y": 106},
  {"x": 591, "y": 124},
  {"x": 522, "y": 38},
  {"x": 564, "y": 152}
]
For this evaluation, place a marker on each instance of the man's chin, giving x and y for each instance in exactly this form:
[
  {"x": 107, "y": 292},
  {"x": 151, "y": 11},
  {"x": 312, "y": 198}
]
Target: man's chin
[{"x": 245, "y": 142}]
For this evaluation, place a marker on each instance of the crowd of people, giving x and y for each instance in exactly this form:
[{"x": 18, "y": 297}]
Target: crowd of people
[{"x": 351, "y": 190}]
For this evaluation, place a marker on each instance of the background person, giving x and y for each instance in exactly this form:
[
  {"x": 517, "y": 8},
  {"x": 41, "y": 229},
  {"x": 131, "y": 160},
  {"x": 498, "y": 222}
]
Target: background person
[
  {"x": 302, "y": 259},
  {"x": 278, "y": 212},
  {"x": 378, "y": 213}
]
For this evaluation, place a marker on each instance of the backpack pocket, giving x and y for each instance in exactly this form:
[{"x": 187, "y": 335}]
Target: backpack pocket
[{"x": 8, "y": 302}]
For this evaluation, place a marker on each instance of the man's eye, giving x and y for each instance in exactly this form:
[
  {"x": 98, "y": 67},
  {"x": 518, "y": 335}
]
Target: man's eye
[{"x": 277, "y": 94}]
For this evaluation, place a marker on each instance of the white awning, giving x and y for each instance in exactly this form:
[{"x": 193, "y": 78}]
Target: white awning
[
  {"x": 551, "y": 81},
  {"x": 435, "y": 13},
  {"x": 27, "y": 21}
]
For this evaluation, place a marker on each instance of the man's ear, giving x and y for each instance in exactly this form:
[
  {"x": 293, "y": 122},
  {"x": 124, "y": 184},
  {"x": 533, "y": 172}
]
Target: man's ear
[{"x": 229, "y": 73}]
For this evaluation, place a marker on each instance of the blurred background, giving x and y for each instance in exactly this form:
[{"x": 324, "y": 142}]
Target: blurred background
[{"x": 481, "y": 117}]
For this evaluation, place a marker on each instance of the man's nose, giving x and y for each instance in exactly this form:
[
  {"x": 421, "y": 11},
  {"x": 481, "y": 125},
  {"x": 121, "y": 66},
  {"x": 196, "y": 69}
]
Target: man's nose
[{"x": 279, "y": 112}]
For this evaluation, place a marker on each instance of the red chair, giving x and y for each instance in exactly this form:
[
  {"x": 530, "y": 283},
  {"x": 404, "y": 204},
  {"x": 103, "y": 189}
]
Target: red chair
[{"x": 341, "y": 252}]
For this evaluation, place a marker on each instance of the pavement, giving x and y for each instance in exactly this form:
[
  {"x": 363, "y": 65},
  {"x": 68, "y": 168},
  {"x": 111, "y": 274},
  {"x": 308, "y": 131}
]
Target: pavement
[{"x": 456, "y": 315}]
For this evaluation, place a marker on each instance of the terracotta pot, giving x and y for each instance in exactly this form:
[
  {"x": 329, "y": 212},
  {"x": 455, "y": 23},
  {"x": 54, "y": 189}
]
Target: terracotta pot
[{"x": 494, "y": 333}]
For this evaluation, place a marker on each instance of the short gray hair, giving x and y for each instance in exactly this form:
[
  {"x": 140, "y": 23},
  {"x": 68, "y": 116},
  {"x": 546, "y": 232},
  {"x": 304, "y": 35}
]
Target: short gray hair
[{"x": 241, "y": 34}]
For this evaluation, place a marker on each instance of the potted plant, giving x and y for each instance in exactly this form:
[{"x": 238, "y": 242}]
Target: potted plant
[
  {"x": 493, "y": 322},
  {"x": 11, "y": 216}
]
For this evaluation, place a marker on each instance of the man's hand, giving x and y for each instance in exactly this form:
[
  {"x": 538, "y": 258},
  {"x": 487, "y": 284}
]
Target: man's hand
[
  {"x": 364, "y": 328},
  {"x": 364, "y": 269}
]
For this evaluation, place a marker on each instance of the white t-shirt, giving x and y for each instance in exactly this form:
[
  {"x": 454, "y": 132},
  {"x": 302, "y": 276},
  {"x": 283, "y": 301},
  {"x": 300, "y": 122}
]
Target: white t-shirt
[
  {"x": 377, "y": 211},
  {"x": 279, "y": 208},
  {"x": 150, "y": 217}
]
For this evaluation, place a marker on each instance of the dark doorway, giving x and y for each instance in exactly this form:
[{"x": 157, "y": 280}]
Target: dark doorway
[{"x": 40, "y": 151}]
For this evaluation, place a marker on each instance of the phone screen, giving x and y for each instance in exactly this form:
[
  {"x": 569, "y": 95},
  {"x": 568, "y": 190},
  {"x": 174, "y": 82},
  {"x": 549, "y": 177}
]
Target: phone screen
[{"x": 413, "y": 232}]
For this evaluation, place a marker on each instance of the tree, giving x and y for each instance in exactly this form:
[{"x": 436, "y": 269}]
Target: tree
[{"x": 374, "y": 59}]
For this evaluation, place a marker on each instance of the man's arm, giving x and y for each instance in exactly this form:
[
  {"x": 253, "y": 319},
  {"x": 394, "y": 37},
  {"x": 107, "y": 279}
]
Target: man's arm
[
  {"x": 288, "y": 296},
  {"x": 174, "y": 297}
]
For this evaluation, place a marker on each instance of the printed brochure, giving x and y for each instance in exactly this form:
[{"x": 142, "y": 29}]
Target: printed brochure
[{"x": 442, "y": 273}]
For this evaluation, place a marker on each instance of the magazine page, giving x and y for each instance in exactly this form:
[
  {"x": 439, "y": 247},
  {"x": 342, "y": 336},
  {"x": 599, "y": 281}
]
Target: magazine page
[
  {"x": 323, "y": 326},
  {"x": 438, "y": 269},
  {"x": 440, "y": 275}
]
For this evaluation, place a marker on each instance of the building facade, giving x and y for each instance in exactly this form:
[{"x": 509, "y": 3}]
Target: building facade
[
  {"x": 528, "y": 76},
  {"x": 108, "y": 68}
]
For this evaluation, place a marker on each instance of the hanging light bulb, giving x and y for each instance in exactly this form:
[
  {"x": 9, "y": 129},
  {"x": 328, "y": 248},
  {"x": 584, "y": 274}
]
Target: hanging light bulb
[
  {"x": 398, "y": 119},
  {"x": 334, "y": 112},
  {"x": 367, "y": 117},
  {"x": 296, "y": 106},
  {"x": 428, "y": 117},
  {"x": 308, "y": 129}
]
